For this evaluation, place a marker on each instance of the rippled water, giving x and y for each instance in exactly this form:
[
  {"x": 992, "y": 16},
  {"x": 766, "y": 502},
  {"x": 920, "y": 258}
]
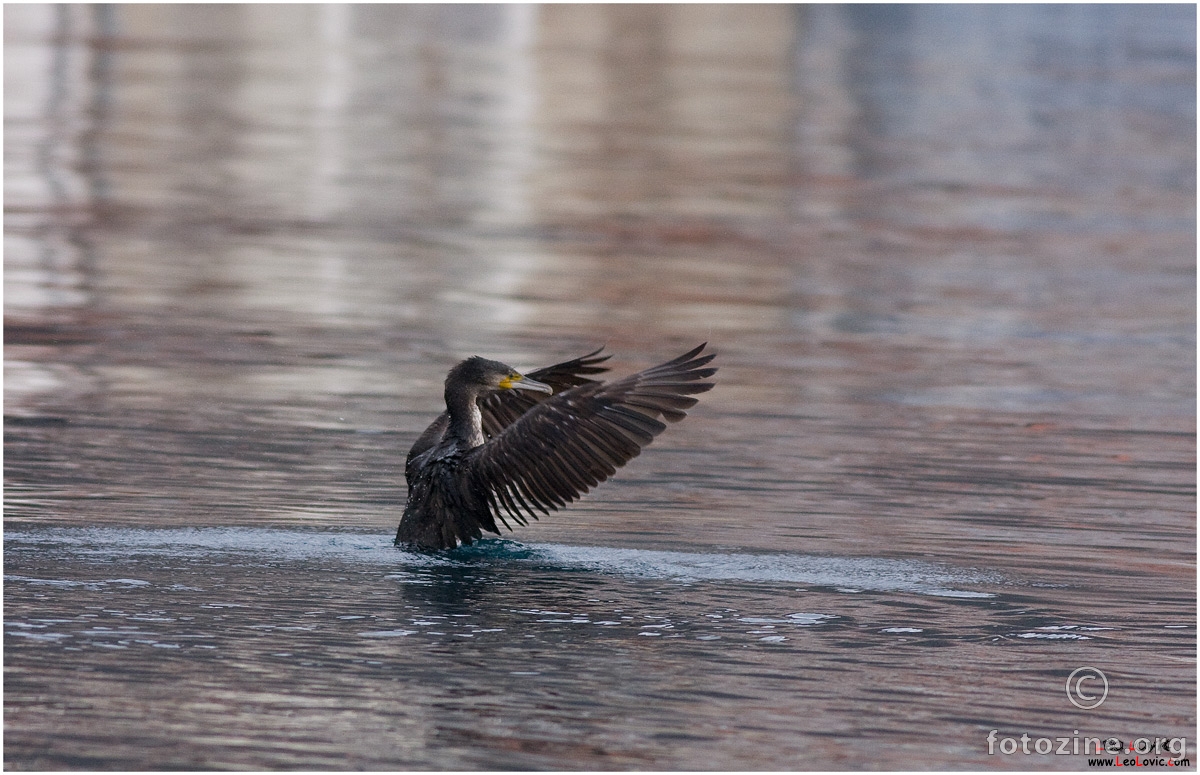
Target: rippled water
[
  {"x": 946, "y": 256},
  {"x": 318, "y": 648}
]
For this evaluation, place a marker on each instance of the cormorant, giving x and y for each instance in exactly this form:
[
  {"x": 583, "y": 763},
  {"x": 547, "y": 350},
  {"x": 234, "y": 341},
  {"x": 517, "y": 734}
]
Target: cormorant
[{"x": 510, "y": 445}]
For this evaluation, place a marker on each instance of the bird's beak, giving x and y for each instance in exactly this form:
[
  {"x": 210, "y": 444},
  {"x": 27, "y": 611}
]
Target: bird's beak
[{"x": 521, "y": 382}]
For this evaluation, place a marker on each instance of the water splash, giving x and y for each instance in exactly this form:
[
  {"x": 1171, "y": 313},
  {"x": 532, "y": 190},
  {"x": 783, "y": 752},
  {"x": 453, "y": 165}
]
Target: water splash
[{"x": 849, "y": 574}]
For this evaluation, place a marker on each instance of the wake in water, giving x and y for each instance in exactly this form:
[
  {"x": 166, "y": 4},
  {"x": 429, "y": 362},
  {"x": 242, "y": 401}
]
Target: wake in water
[{"x": 842, "y": 573}]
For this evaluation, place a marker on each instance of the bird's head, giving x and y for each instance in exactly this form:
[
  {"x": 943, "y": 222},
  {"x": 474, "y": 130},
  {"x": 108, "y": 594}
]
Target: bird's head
[{"x": 484, "y": 375}]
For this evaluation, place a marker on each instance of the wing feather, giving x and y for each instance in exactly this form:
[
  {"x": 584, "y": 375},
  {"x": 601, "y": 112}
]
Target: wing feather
[
  {"x": 563, "y": 445},
  {"x": 516, "y": 489}
]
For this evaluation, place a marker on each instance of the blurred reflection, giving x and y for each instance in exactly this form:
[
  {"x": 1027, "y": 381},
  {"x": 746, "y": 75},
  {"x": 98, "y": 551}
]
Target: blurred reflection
[
  {"x": 49, "y": 270},
  {"x": 952, "y": 156},
  {"x": 499, "y": 177},
  {"x": 675, "y": 111},
  {"x": 400, "y": 121},
  {"x": 45, "y": 262}
]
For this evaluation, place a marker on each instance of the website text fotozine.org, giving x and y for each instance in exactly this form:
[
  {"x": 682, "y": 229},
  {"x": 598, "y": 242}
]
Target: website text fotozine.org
[{"x": 1075, "y": 745}]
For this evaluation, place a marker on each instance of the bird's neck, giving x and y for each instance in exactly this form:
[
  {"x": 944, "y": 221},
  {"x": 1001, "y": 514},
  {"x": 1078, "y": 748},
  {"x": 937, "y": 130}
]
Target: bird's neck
[{"x": 466, "y": 421}]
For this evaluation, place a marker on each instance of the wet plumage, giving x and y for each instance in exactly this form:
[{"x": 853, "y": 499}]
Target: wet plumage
[{"x": 510, "y": 445}]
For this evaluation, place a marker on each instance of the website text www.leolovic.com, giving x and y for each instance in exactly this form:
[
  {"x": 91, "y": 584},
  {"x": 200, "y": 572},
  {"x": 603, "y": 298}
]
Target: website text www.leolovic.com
[{"x": 1110, "y": 751}]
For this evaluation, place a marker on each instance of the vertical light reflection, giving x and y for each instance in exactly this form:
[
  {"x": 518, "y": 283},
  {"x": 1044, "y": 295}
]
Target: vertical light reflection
[
  {"x": 332, "y": 86},
  {"x": 48, "y": 284},
  {"x": 47, "y": 200},
  {"x": 825, "y": 116},
  {"x": 513, "y": 162}
]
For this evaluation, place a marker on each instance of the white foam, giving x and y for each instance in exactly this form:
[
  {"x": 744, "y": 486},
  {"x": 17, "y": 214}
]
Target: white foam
[
  {"x": 272, "y": 545},
  {"x": 387, "y": 633}
]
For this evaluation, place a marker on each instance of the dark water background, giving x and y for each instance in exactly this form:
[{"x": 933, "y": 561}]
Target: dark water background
[{"x": 946, "y": 254}]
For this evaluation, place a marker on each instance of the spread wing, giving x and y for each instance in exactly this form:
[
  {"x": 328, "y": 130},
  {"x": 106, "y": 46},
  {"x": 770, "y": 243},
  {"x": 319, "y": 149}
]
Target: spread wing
[
  {"x": 502, "y": 408},
  {"x": 570, "y": 442}
]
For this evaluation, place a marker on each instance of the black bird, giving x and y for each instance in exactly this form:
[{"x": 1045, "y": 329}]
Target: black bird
[{"x": 510, "y": 445}]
